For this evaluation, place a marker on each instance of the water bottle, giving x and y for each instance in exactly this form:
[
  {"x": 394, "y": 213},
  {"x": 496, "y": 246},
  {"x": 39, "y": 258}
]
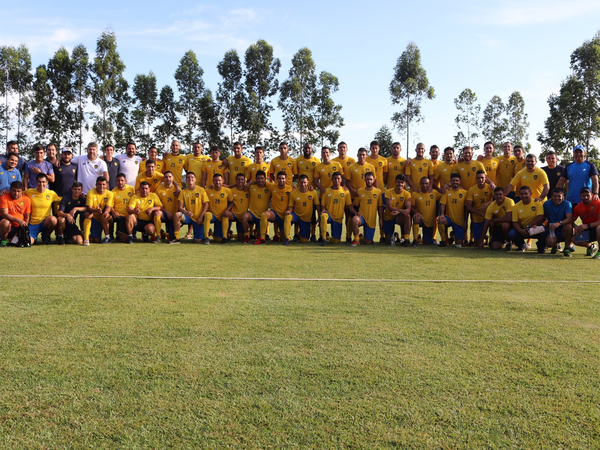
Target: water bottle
[
  {"x": 552, "y": 234},
  {"x": 393, "y": 241}
]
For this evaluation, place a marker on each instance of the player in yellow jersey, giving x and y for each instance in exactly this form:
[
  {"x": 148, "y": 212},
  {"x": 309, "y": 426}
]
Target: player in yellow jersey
[
  {"x": 141, "y": 210},
  {"x": 467, "y": 168},
  {"x": 424, "y": 211},
  {"x": 526, "y": 216},
  {"x": 280, "y": 197},
  {"x": 397, "y": 211},
  {"x": 258, "y": 164},
  {"x": 193, "y": 204},
  {"x": 444, "y": 169},
  {"x": 479, "y": 197},
  {"x": 302, "y": 203},
  {"x": 99, "y": 202},
  {"x": 396, "y": 165},
  {"x": 175, "y": 162},
  {"x": 370, "y": 206},
  {"x": 260, "y": 196},
  {"x": 195, "y": 161},
  {"x": 214, "y": 166},
  {"x": 306, "y": 164},
  {"x": 168, "y": 192},
  {"x": 334, "y": 202},
  {"x": 241, "y": 200},
  {"x": 220, "y": 203},
  {"x": 531, "y": 176},
  {"x": 283, "y": 162},
  {"x": 355, "y": 175},
  {"x": 419, "y": 167},
  {"x": 380, "y": 165},
  {"x": 150, "y": 176},
  {"x": 41, "y": 219},
  {"x": 237, "y": 163},
  {"x": 152, "y": 155},
  {"x": 506, "y": 168},
  {"x": 490, "y": 164},
  {"x": 452, "y": 209},
  {"x": 325, "y": 170},
  {"x": 123, "y": 193},
  {"x": 343, "y": 158},
  {"x": 519, "y": 153},
  {"x": 498, "y": 219}
]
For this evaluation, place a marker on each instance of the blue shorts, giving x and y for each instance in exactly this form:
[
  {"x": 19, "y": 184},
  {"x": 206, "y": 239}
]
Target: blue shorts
[
  {"x": 477, "y": 230},
  {"x": 169, "y": 223},
  {"x": 198, "y": 229},
  {"x": 218, "y": 228},
  {"x": 96, "y": 229},
  {"x": 427, "y": 233},
  {"x": 304, "y": 226},
  {"x": 278, "y": 220},
  {"x": 34, "y": 230},
  {"x": 255, "y": 220},
  {"x": 559, "y": 235},
  {"x": 238, "y": 225},
  {"x": 336, "y": 227},
  {"x": 369, "y": 233},
  {"x": 389, "y": 226},
  {"x": 459, "y": 232}
]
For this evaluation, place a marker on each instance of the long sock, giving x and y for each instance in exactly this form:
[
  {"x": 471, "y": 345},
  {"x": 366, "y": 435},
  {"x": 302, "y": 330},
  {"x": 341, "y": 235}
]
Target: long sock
[
  {"x": 435, "y": 229},
  {"x": 157, "y": 223},
  {"x": 415, "y": 230},
  {"x": 87, "y": 226},
  {"x": 264, "y": 225},
  {"x": 207, "y": 220},
  {"x": 225, "y": 226},
  {"x": 443, "y": 232},
  {"x": 323, "y": 225},
  {"x": 287, "y": 226},
  {"x": 176, "y": 233},
  {"x": 313, "y": 228}
]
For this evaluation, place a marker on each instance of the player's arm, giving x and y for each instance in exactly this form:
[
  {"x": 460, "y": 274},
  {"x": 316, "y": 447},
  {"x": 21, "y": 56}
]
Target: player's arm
[
  {"x": 204, "y": 176},
  {"x": 544, "y": 193},
  {"x": 203, "y": 212},
  {"x": 472, "y": 210},
  {"x": 562, "y": 180},
  {"x": 566, "y": 220},
  {"x": 442, "y": 217},
  {"x": 507, "y": 218},
  {"x": 380, "y": 215},
  {"x": 26, "y": 178},
  {"x": 407, "y": 207},
  {"x": 595, "y": 187},
  {"x": 517, "y": 226},
  {"x": 317, "y": 182},
  {"x": 11, "y": 218},
  {"x": 413, "y": 188},
  {"x": 51, "y": 177}
]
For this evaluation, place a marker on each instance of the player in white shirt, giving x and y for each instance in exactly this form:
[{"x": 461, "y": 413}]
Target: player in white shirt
[
  {"x": 90, "y": 167},
  {"x": 129, "y": 163}
]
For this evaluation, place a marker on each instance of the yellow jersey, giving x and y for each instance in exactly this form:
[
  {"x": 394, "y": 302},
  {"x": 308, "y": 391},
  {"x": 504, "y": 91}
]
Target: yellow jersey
[
  {"x": 303, "y": 203},
  {"x": 193, "y": 200},
  {"x": 210, "y": 168},
  {"x": 498, "y": 211},
  {"x": 253, "y": 168},
  {"x": 280, "y": 198},
  {"x": 524, "y": 214},
  {"x": 167, "y": 197},
  {"x": 289, "y": 166},
  {"x": 241, "y": 200},
  {"x": 491, "y": 168},
  {"x": 381, "y": 166},
  {"x": 237, "y": 165},
  {"x": 324, "y": 172},
  {"x": 335, "y": 202},
  {"x": 395, "y": 166},
  {"x": 426, "y": 205},
  {"x": 443, "y": 172},
  {"x": 154, "y": 181},
  {"x": 145, "y": 203},
  {"x": 505, "y": 170},
  {"x": 419, "y": 168},
  {"x": 480, "y": 197},
  {"x": 160, "y": 166},
  {"x": 218, "y": 201},
  {"x": 455, "y": 205},
  {"x": 194, "y": 164},
  {"x": 468, "y": 171},
  {"x": 535, "y": 180},
  {"x": 398, "y": 201},
  {"x": 307, "y": 167},
  {"x": 95, "y": 200},
  {"x": 122, "y": 198},
  {"x": 356, "y": 174},
  {"x": 175, "y": 164},
  {"x": 41, "y": 204},
  {"x": 368, "y": 202},
  {"x": 345, "y": 163},
  {"x": 259, "y": 200}
]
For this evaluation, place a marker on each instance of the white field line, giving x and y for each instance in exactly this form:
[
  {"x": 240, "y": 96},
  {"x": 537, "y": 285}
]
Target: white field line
[{"x": 340, "y": 280}]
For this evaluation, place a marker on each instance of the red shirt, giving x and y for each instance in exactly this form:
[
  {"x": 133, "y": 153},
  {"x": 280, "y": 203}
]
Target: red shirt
[
  {"x": 17, "y": 208},
  {"x": 588, "y": 213}
]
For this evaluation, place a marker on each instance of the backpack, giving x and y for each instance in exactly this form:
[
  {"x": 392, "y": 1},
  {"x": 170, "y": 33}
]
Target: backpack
[{"x": 24, "y": 237}]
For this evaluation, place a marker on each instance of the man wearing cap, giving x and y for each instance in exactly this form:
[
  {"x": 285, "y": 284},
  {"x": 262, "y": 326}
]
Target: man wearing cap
[
  {"x": 587, "y": 233},
  {"x": 579, "y": 174},
  {"x": 65, "y": 174}
]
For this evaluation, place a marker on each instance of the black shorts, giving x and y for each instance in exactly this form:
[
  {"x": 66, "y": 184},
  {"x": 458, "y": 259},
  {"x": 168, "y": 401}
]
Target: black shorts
[
  {"x": 141, "y": 225},
  {"x": 121, "y": 225},
  {"x": 71, "y": 230}
]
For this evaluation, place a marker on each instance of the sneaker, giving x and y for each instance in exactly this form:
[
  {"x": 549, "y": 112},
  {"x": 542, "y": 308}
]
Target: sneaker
[
  {"x": 47, "y": 240},
  {"x": 415, "y": 243},
  {"x": 129, "y": 240},
  {"x": 541, "y": 250},
  {"x": 508, "y": 247},
  {"x": 523, "y": 247},
  {"x": 323, "y": 242},
  {"x": 188, "y": 235},
  {"x": 596, "y": 256},
  {"x": 567, "y": 253},
  {"x": 206, "y": 241},
  {"x": 296, "y": 238},
  {"x": 246, "y": 240},
  {"x": 259, "y": 242},
  {"x": 553, "y": 250},
  {"x": 106, "y": 240},
  {"x": 313, "y": 238},
  {"x": 155, "y": 241},
  {"x": 163, "y": 235},
  {"x": 60, "y": 240},
  {"x": 286, "y": 242},
  {"x": 457, "y": 246},
  {"x": 348, "y": 240},
  {"x": 224, "y": 241},
  {"x": 572, "y": 248},
  {"x": 4, "y": 244},
  {"x": 435, "y": 242},
  {"x": 354, "y": 244},
  {"x": 86, "y": 243},
  {"x": 591, "y": 250},
  {"x": 443, "y": 244},
  {"x": 175, "y": 241}
]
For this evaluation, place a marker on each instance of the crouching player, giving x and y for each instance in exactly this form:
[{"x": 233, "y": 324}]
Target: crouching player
[
  {"x": 123, "y": 193},
  {"x": 334, "y": 201},
  {"x": 71, "y": 206},
  {"x": 498, "y": 219},
  {"x": 99, "y": 202},
  {"x": 452, "y": 209},
  {"x": 527, "y": 215},
  {"x": 168, "y": 192},
  {"x": 370, "y": 207},
  {"x": 193, "y": 204},
  {"x": 586, "y": 234},
  {"x": 280, "y": 199},
  {"x": 424, "y": 210},
  {"x": 397, "y": 211},
  {"x": 559, "y": 213},
  {"x": 141, "y": 212},
  {"x": 220, "y": 202},
  {"x": 300, "y": 210},
  {"x": 15, "y": 209},
  {"x": 241, "y": 200}
]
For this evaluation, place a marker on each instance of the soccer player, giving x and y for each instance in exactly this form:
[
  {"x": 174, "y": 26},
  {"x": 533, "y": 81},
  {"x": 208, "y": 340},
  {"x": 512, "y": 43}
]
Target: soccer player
[
  {"x": 334, "y": 202},
  {"x": 51, "y": 155},
  {"x": 519, "y": 153},
  {"x": 526, "y": 215},
  {"x": 306, "y": 163},
  {"x": 396, "y": 165},
  {"x": 424, "y": 211},
  {"x": 168, "y": 192},
  {"x": 241, "y": 200},
  {"x": 579, "y": 174},
  {"x": 37, "y": 166},
  {"x": 175, "y": 162},
  {"x": 41, "y": 219},
  {"x": 479, "y": 197},
  {"x": 380, "y": 165},
  {"x": 15, "y": 210},
  {"x": 99, "y": 202},
  {"x": 452, "y": 209},
  {"x": 325, "y": 170},
  {"x": 220, "y": 203},
  {"x": 559, "y": 214},
  {"x": 259, "y": 198},
  {"x": 419, "y": 167},
  {"x": 90, "y": 167},
  {"x": 370, "y": 206},
  {"x": 280, "y": 197},
  {"x": 160, "y": 164},
  {"x": 444, "y": 169},
  {"x": 397, "y": 211},
  {"x": 112, "y": 164},
  {"x": 71, "y": 206},
  {"x": 468, "y": 169},
  {"x": 302, "y": 203},
  {"x": 196, "y": 160},
  {"x": 587, "y": 233},
  {"x": 498, "y": 219},
  {"x": 343, "y": 158},
  {"x": 13, "y": 147},
  {"x": 214, "y": 166},
  {"x": 141, "y": 211},
  {"x": 506, "y": 168},
  {"x": 553, "y": 171},
  {"x": 123, "y": 193},
  {"x": 355, "y": 175},
  {"x": 65, "y": 174},
  {"x": 533, "y": 177},
  {"x": 193, "y": 204},
  {"x": 129, "y": 163},
  {"x": 490, "y": 164},
  {"x": 237, "y": 163},
  {"x": 258, "y": 164},
  {"x": 283, "y": 162},
  {"x": 150, "y": 176},
  {"x": 9, "y": 173}
]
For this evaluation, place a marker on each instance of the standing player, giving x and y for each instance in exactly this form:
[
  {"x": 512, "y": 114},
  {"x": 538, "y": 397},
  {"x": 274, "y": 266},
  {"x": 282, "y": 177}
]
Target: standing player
[
  {"x": 334, "y": 202},
  {"x": 452, "y": 209},
  {"x": 283, "y": 162},
  {"x": 220, "y": 203},
  {"x": 112, "y": 164},
  {"x": 71, "y": 206},
  {"x": 37, "y": 166},
  {"x": 237, "y": 163},
  {"x": 396, "y": 165},
  {"x": 150, "y": 176},
  {"x": 258, "y": 164},
  {"x": 99, "y": 202},
  {"x": 533, "y": 177},
  {"x": 370, "y": 206},
  {"x": 397, "y": 211},
  {"x": 553, "y": 170},
  {"x": 498, "y": 219},
  {"x": 579, "y": 174},
  {"x": 479, "y": 197},
  {"x": 302, "y": 203},
  {"x": 90, "y": 167},
  {"x": 141, "y": 211},
  {"x": 419, "y": 167},
  {"x": 15, "y": 209},
  {"x": 325, "y": 170},
  {"x": 490, "y": 164},
  {"x": 193, "y": 204},
  {"x": 424, "y": 211},
  {"x": 355, "y": 175},
  {"x": 343, "y": 158},
  {"x": 214, "y": 166},
  {"x": 129, "y": 163},
  {"x": 506, "y": 168},
  {"x": 41, "y": 219},
  {"x": 468, "y": 168},
  {"x": 153, "y": 155},
  {"x": 195, "y": 161},
  {"x": 444, "y": 169},
  {"x": 176, "y": 162},
  {"x": 380, "y": 165},
  {"x": 13, "y": 147},
  {"x": 306, "y": 164}
]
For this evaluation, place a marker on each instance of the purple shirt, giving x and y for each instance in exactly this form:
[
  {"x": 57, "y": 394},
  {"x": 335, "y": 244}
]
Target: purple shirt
[{"x": 44, "y": 166}]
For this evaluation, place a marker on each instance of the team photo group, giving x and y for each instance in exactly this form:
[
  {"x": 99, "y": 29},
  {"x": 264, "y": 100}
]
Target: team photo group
[{"x": 497, "y": 202}]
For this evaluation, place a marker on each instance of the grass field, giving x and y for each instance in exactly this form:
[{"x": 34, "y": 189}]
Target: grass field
[{"x": 195, "y": 363}]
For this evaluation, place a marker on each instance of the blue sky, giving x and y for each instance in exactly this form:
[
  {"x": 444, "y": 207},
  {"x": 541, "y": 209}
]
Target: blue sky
[{"x": 493, "y": 48}]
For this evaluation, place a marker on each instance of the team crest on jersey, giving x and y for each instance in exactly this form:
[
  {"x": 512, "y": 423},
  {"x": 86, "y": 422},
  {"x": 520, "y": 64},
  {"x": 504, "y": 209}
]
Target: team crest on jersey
[
  {"x": 266, "y": 191},
  {"x": 473, "y": 169},
  {"x": 310, "y": 197},
  {"x": 135, "y": 163},
  {"x": 314, "y": 164},
  {"x": 197, "y": 195},
  {"x": 533, "y": 208},
  {"x": 13, "y": 177},
  {"x": 374, "y": 195},
  {"x": 287, "y": 193},
  {"x": 129, "y": 194},
  {"x": 149, "y": 202},
  {"x": 460, "y": 195},
  {"x": 47, "y": 197},
  {"x": 342, "y": 195},
  {"x": 95, "y": 166},
  {"x": 535, "y": 177},
  {"x": 60, "y": 170},
  {"x": 222, "y": 195}
]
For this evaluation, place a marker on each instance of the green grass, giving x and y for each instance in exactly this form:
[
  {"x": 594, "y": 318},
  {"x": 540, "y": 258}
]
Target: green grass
[{"x": 144, "y": 363}]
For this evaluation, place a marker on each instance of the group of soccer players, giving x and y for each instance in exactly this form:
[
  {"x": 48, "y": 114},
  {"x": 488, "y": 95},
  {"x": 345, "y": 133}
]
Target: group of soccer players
[{"x": 500, "y": 201}]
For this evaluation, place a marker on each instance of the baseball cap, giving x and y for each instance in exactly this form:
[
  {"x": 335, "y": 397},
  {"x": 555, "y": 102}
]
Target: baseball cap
[
  {"x": 578, "y": 147},
  {"x": 585, "y": 189},
  {"x": 66, "y": 150}
]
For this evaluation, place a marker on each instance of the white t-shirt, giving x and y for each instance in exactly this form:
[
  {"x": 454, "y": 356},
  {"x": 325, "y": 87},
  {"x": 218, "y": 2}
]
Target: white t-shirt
[
  {"x": 88, "y": 171},
  {"x": 130, "y": 167}
]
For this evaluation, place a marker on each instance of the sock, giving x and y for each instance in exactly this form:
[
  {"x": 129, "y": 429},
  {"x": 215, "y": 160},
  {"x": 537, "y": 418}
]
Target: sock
[
  {"x": 225, "y": 226},
  {"x": 287, "y": 226},
  {"x": 415, "y": 230},
  {"x": 87, "y": 226},
  {"x": 264, "y": 225},
  {"x": 207, "y": 220},
  {"x": 323, "y": 224}
]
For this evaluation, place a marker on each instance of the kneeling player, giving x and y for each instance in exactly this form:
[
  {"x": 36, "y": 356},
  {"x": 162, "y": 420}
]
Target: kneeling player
[
  {"x": 15, "y": 209},
  {"x": 498, "y": 219},
  {"x": 241, "y": 199},
  {"x": 99, "y": 203},
  {"x": 300, "y": 210},
  {"x": 370, "y": 206},
  {"x": 193, "y": 204},
  {"x": 219, "y": 210},
  {"x": 424, "y": 210},
  {"x": 334, "y": 201},
  {"x": 397, "y": 211},
  {"x": 559, "y": 213},
  {"x": 452, "y": 209},
  {"x": 141, "y": 212},
  {"x": 71, "y": 206}
]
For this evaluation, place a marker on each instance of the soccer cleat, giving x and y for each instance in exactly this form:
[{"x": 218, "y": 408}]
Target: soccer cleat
[
  {"x": 175, "y": 241},
  {"x": 355, "y": 244},
  {"x": 259, "y": 242},
  {"x": 188, "y": 235},
  {"x": 60, "y": 240},
  {"x": 47, "y": 240},
  {"x": 286, "y": 242},
  {"x": 156, "y": 241},
  {"x": 572, "y": 248},
  {"x": 435, "y": 242},
  {"x": 224, "y": 241},
  {"x": 523, "y": 247},
  {"x": 415, "y": 243},
  {"x": 145, "y": 238},
  {"x": 596, "y": 256},
  {"x": 591, "y": 250},
  {"x": 4, "y": 243},
  {"x": 323, "y": 242},
  {"x": 296, "y": 238},
  {"x": 86, "y": 243},
  {"x": 406, "y": 243},
  {"x": 457, "y": 246},
  {"x": 313, "y": 238},
  {"x": 129, "y": 240},
  {"x": 567, "y": 253},
  {"x": 508, "y": 247},
  {"x": 443, "y": 243},
  {"x": 106, "y": 240},
  {"x": 246, "y": 240},
  {"x": 267, "y": 238},
  {"x": 541, "y": 250},
  {"x": 553, "y": 250},
  {"x": 206, "y": 241}
]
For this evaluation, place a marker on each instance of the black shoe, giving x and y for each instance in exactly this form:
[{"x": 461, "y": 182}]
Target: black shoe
[
  {"x": 296, "y": 238},
  {"x": 145, "y": 238},
  {"x": 313, "y": 238},
  {"x": 47, "y": 240},
  {"x": 130, "y": 239},
  {"x": 60, "y": 240}
]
